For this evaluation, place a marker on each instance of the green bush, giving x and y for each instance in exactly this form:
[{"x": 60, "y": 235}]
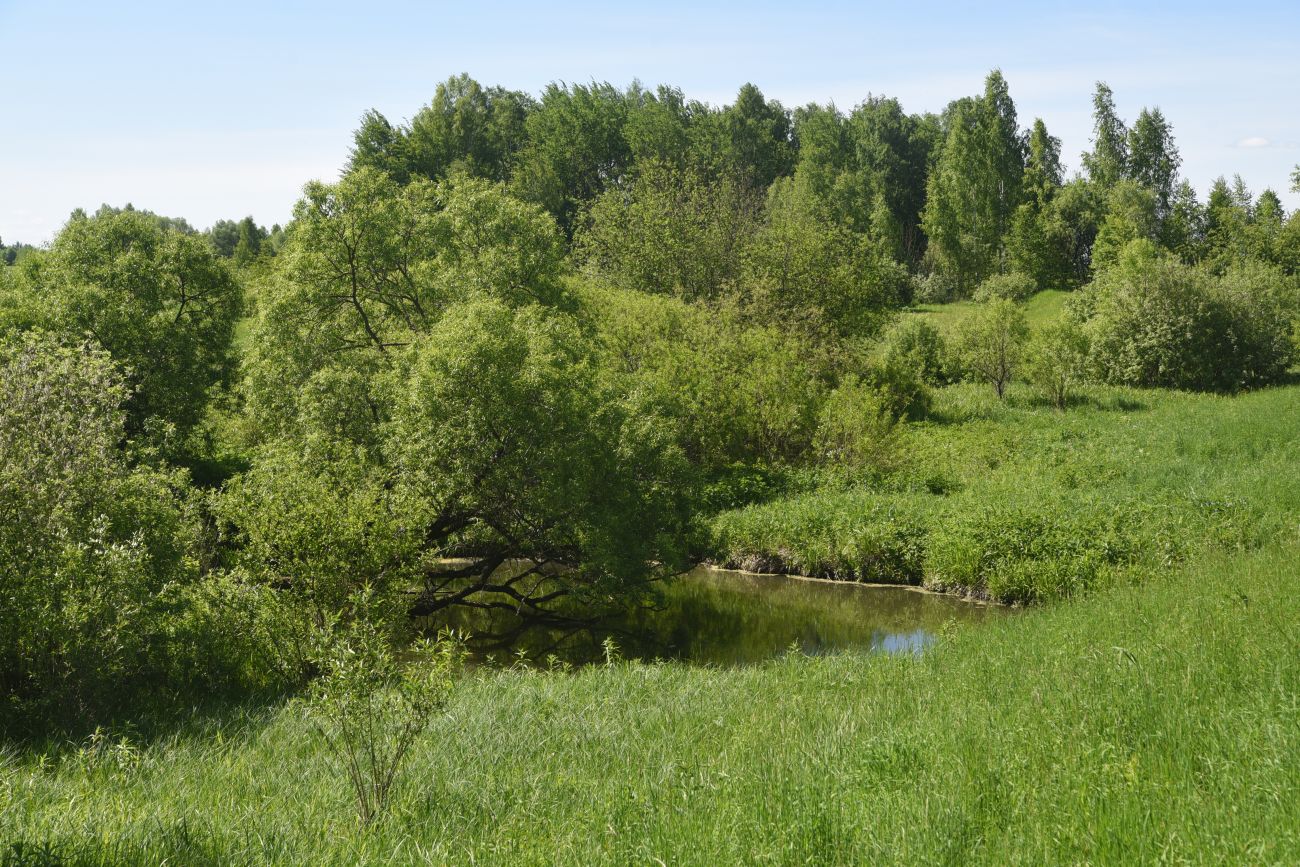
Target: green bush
[
  {"x": 1056, "y": 359},
  {"x": 856, "y": 430},
  {"x": 1013, "y": 287},
  {"x": 912, "y": 343},
  {"x": 1163, "y": 324}
]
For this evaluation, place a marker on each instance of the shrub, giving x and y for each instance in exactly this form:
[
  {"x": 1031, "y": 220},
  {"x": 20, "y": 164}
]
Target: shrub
[
  {"x": 855, "y": 430},
  {"x": 1056, "y": 358},
  {"x": 88, "y": 543},
  {"x": 848, "y": 536},
  {"x": 934, "y": 288},
  {"x": 991, "y": 342},
  {"x": 369, "y": 707},
  {"x": 1013, "y": 287},
  {"x": 914, "y": 344},
  {"x": 1163, "y": 324}
]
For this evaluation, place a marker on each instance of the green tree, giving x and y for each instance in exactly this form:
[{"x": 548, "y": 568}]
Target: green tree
[
  {"x": 1056, "y": 359},
  {"x": 1108, "y": 162},
  {"x": 671, "y": 230},
  {"x": 575, "y": 149},
  {"x": 800, "y": 269},
  {"x": 990, "y": 342},
  {"x": 157, "y": 299},
  {"x": 759, "y": 146},
  {"x": 1132, "y": 213},
  {"x": 1153, "y": 158},
  {"x": 975, "y": 187},
  {"x": 91, "y": 546},
  {"x": 422, "y": 390},
  {"x": 1183, "y": 230}
]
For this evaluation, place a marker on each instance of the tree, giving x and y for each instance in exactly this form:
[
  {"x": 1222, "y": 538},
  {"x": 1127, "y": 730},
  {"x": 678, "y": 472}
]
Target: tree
[
  {"x": 801, "y": 269},
  {"x": 574, "y": 150},
  {"x": 1183, "y": 229},
  {"x": 672, "y": 231},
  {"x": 892, "y": 151},
  {"x": 1037, "y": 246},
  {"x": 759, "y": 148},
  {"x": 249, "y": 246},
  {"x": 990, "y": 342},
  {"x": 157, "y": 299},
  {"x": 975, "y": 187},
  {"x": 464, "y": 128},
  {"x": 1108, "y": 163},
  {"x": 422, "y": 390},
  {"x": 1153, "y": 159},
  {"x": 90, "y": 544},
  {"x": 1132, "y": 213}
]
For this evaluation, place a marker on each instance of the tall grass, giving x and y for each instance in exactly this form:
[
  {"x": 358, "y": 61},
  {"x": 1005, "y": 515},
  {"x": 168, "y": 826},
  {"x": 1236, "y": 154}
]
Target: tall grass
[
  {"x": 1020, "y": 502},
  {"x": 1140, "y": 725}
]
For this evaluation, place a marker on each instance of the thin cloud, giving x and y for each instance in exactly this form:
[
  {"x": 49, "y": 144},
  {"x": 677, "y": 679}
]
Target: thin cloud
[{"x": 1257, "y": 142}]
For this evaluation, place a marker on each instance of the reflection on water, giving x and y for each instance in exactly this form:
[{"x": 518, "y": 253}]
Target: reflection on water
[{"x": 727, "y": 618}]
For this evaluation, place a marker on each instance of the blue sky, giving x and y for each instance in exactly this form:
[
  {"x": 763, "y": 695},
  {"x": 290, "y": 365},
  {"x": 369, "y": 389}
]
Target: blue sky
[{"x": 221, "y": 109}]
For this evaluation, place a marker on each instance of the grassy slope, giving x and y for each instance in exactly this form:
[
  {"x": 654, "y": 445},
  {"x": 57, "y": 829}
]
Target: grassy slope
[
  {"x": 1035, "y": 504},
  {"x": 1139, "y": 725},
  {"x": 1042, "y": 307}
]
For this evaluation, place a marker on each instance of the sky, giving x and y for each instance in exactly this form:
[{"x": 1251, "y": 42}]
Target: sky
[{"x": 216, "y": 110}]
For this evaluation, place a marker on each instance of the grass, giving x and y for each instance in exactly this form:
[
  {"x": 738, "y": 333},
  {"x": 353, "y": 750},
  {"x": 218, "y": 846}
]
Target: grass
[
  {"x": 1141, "y": 725},
  {"x": 1023, "y": 503},
  {"x": 1043, "y": 307}
]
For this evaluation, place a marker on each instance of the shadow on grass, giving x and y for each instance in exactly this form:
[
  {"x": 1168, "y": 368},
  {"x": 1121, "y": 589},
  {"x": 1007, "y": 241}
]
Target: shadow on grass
[{"x": 171, "y": 844}]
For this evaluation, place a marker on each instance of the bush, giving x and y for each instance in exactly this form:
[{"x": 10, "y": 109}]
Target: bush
[
  {"x": 991, "y": 342},
  {"x": 1056, "y": 359},
  {"x": 1013, "y": 287},
  {"x": 915, "y": 344},
  {"x": 847, "y": 536},
  {"x": 1163, "y": 324},
  {"x": 87, "y": 542},
  {"x": 369, "y": 707},
  {"x": 934, "y": 288},
  {"x": 856, "y": 430}
]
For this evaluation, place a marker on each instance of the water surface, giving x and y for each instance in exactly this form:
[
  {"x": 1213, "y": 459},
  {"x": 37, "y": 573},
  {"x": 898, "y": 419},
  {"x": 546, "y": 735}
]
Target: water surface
[{"x": 719, "y": 617}]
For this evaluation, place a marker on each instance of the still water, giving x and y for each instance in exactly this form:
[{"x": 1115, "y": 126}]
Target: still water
[{"x": 717, "y": 617}]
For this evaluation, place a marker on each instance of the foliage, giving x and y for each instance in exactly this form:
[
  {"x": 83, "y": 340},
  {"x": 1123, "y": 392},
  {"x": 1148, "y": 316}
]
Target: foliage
[
  {"x": 672, "y": 231},
  {"x": 990, "y": 342},
  {"x": 975, "y": 186},
  {"x": 423, "y": 390},
  {"x": 1154, "y": 322},
  {"x": 156, "y": 299},
  {"x": 1012, "y": 286},
  {"x": 90, "y": 544},
  {"x": 800, "y": 269},
  {"x": 735, "y": 391},
  {"x": 1056, "y": 360},
  {"x": 856, "y": 430},
  {"x": 912, "y": 343},
  {"x": 369, "y": 706}
]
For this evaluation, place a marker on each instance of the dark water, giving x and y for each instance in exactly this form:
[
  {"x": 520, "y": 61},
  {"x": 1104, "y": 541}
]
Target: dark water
[{"x": 717, "y": 617}]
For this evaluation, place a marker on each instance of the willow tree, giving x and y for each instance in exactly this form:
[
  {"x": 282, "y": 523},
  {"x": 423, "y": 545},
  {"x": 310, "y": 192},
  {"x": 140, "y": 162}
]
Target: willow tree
[{"x": 421, "y": 391}]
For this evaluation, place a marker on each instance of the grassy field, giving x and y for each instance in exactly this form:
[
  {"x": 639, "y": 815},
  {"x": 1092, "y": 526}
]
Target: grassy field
[
  {"x": 1157, "y": 724},
  {"x": 1024, "y": 503}
]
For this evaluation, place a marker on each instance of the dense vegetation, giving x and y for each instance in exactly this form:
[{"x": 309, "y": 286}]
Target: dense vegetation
[{"x": 543, "y": 354}]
